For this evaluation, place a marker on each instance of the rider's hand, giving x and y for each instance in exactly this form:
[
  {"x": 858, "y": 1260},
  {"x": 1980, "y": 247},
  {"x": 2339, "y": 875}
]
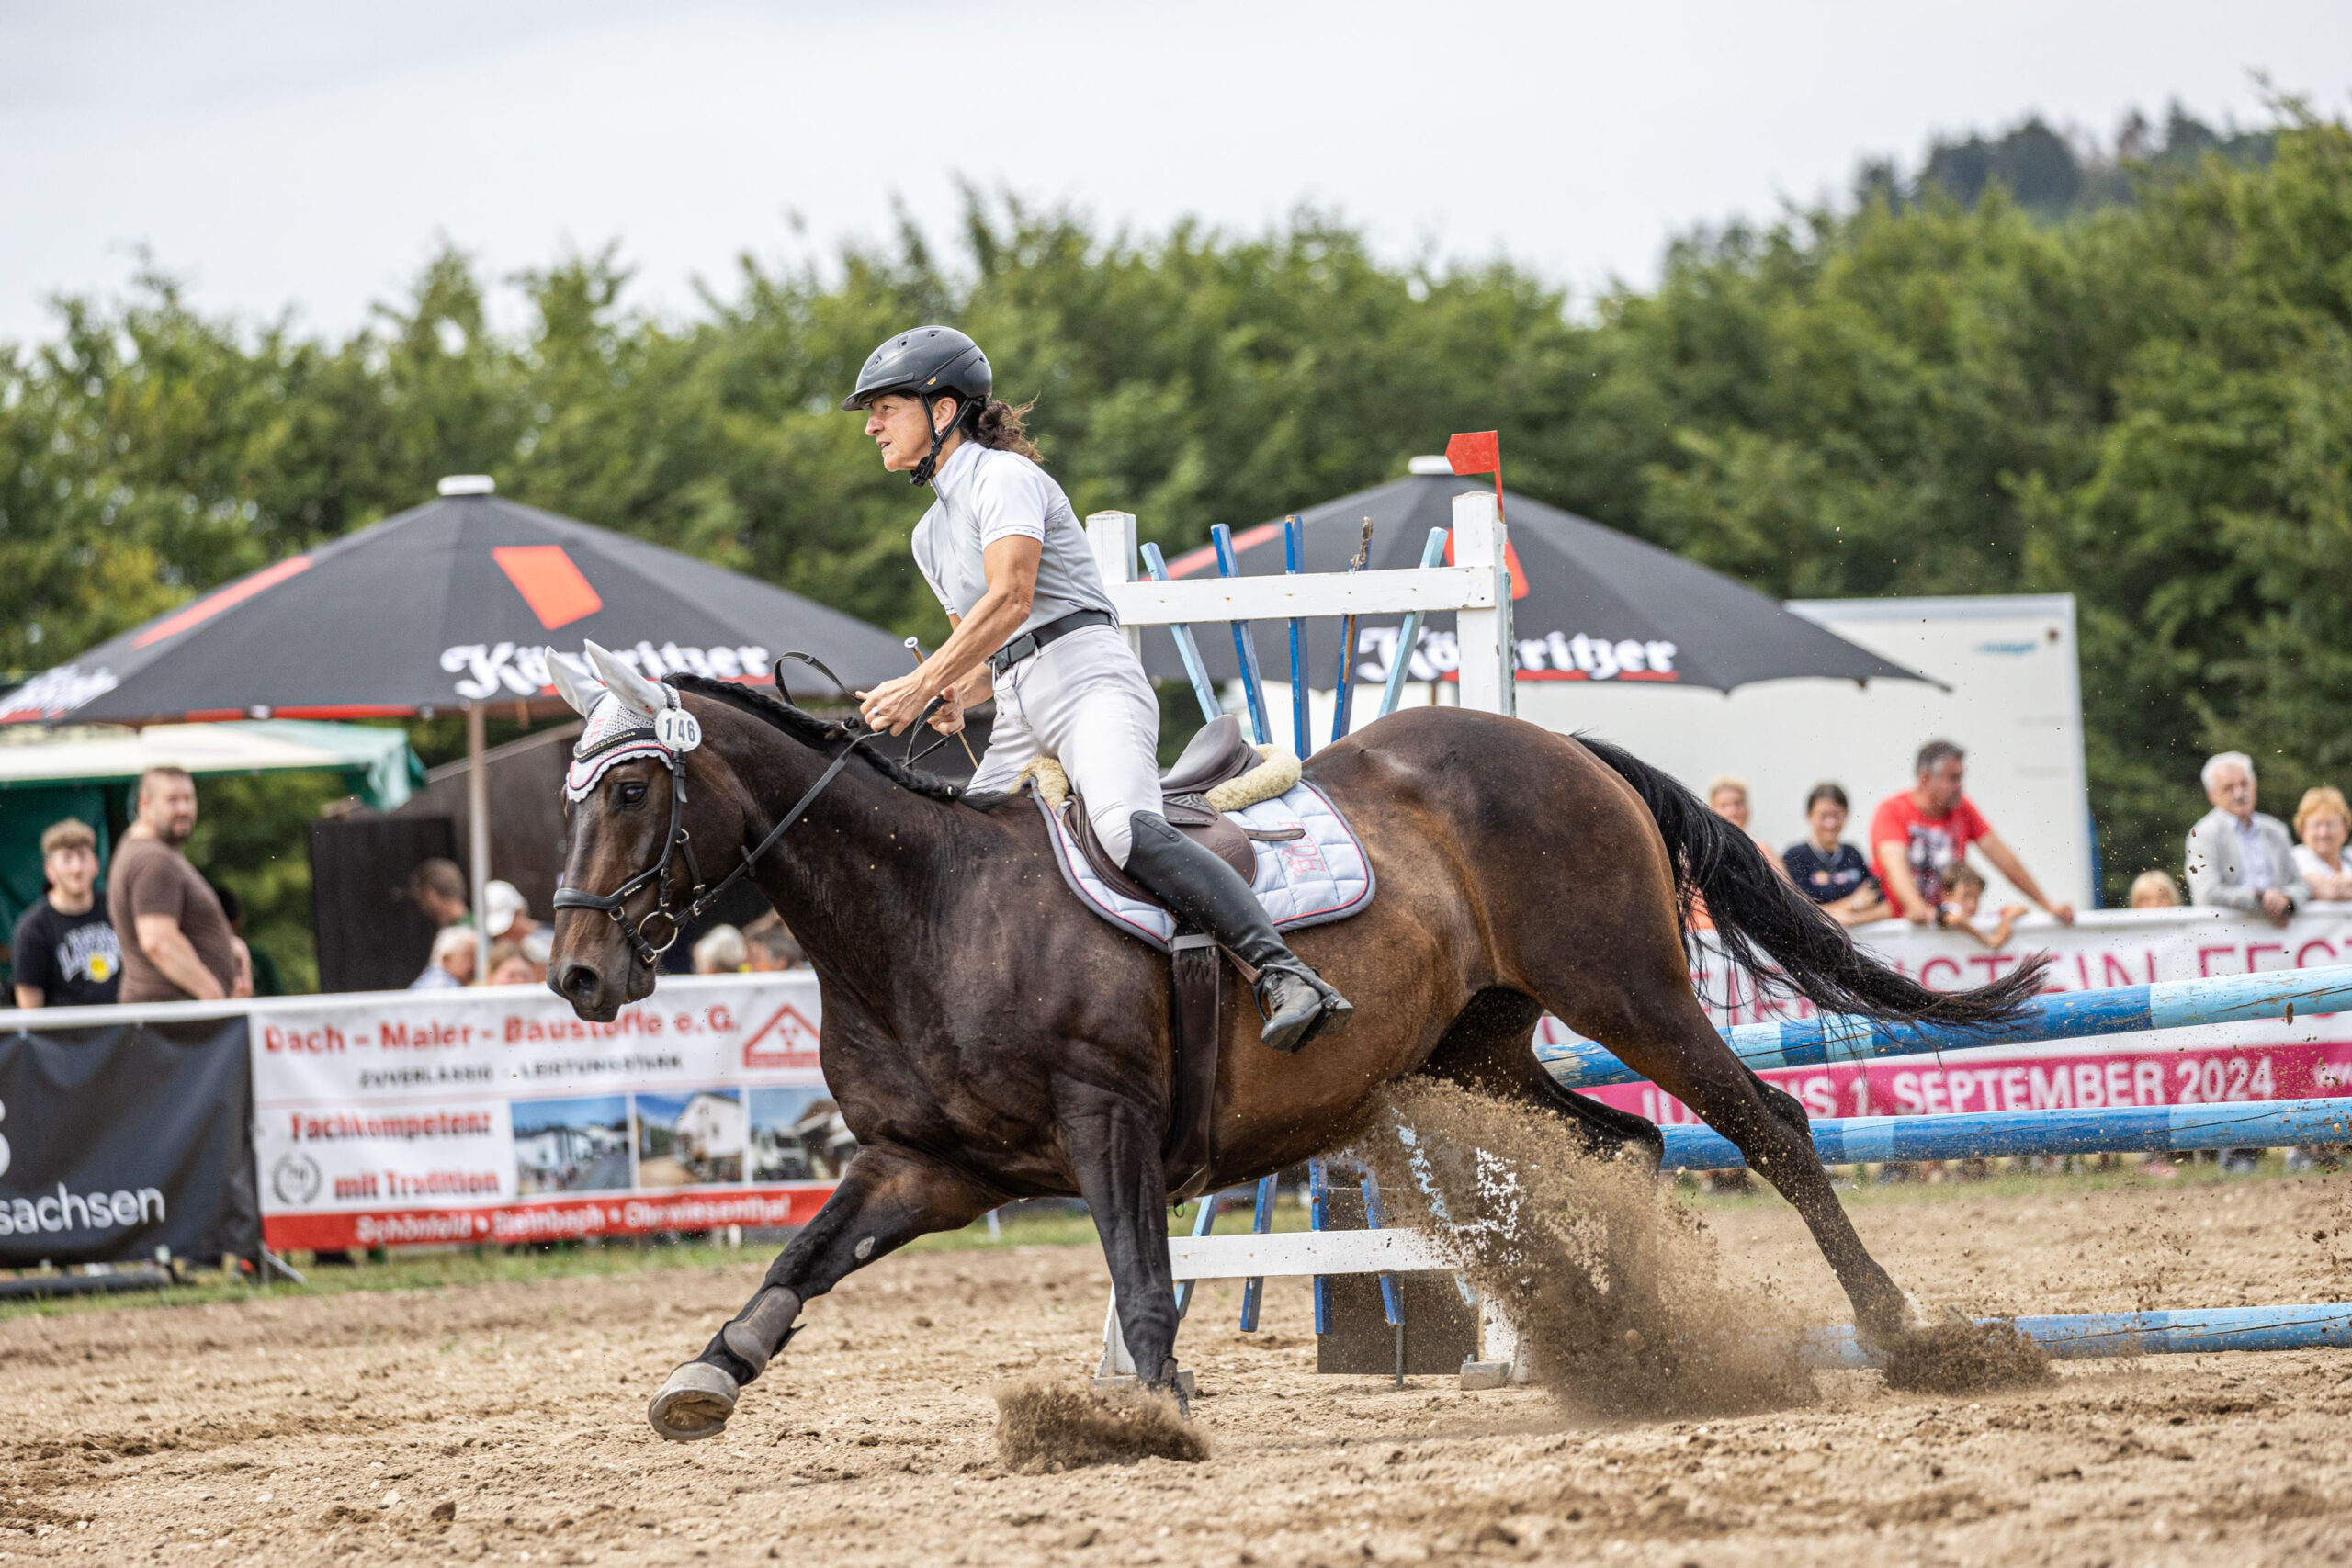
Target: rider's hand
[
  {"x": 950, "y": 717},
  {"x": 893, "y": 705}
]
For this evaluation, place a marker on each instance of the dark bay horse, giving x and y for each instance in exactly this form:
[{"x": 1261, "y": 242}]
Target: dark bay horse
[{"x": 988, "y": 1038}]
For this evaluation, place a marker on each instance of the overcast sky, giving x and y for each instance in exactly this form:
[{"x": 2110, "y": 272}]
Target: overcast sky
[{"x": 309, "y": 156}]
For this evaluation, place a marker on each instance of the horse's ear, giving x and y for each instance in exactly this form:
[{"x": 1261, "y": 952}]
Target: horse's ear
[
  {"x": 575, "y": 687},
  {"x": 634, "y": 689}
]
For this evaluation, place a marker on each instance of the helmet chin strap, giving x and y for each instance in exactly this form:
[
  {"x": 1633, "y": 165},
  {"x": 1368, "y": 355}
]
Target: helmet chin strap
[{"x": 924, "y": 470}]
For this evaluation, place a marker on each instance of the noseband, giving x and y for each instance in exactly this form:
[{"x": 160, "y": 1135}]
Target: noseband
[{"x": 679, "y": 843}]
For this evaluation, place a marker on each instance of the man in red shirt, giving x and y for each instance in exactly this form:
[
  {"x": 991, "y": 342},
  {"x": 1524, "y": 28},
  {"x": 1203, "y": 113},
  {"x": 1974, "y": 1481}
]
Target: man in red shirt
[{"x": 1918, "y": 837}]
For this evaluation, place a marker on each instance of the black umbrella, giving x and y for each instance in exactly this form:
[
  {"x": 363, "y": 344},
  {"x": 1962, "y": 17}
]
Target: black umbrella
[
  {"x": 1588, "y": 603},
  {"x": 457, "y": 603},
  {"x": 453, "y": 605}
]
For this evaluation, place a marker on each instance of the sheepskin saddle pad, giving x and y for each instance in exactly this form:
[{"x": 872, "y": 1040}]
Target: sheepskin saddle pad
[{"x": 1248, "y": 804}]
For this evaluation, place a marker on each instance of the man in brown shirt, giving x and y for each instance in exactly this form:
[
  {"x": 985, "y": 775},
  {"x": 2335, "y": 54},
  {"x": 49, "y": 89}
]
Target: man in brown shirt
[{"x": 177, "y": 946}]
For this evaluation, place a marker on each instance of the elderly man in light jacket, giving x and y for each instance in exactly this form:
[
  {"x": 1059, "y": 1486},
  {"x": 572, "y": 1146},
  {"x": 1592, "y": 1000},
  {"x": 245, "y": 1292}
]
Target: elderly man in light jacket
[{"x": 2238, "y": 858}]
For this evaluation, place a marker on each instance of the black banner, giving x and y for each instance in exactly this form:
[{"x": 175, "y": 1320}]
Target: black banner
[{"x": 115, "y": 1142}]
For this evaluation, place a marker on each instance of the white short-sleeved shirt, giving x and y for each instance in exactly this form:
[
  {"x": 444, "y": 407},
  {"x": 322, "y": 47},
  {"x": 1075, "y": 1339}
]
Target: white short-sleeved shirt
[{"x": 986, "y": 495}]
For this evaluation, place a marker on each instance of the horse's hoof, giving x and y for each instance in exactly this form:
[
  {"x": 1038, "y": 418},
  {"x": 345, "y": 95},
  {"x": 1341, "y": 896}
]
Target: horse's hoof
[{"x": 694, "y": 1404}]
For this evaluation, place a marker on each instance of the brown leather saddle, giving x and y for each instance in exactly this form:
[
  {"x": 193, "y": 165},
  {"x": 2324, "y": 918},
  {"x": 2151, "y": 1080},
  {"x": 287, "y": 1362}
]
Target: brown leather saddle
[{"x": 1219, "y": 753}]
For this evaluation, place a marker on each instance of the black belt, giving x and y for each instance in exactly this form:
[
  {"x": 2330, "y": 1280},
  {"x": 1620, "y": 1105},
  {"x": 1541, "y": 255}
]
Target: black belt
[{"x": 1036, "y": 638}]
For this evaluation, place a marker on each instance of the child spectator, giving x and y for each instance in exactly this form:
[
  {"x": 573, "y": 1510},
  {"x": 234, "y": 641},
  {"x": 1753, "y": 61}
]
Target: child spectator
[
  {"x": 2155, "y": 890},
  {"x": 453, "y": 961},
  {"x": 2323, "y": 822},
  {"x": 1830, "y": 872},
  {"x": 510, "y": 966},
  {"x": 1965, "y": 885}
]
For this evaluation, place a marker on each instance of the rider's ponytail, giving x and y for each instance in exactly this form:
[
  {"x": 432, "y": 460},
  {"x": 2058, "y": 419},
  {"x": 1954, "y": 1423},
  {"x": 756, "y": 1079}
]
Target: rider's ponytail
[{"x": 999, "y": 426}]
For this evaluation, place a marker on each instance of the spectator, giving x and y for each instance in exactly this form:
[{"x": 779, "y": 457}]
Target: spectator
[
  {"x": 1830, "y": 872},
  {"x": 439, "y": 889},
  {"x": 769, "y": 946},
  {"x": 452, "y": 964},
  {"x": 2238, "y": 858},
  {"x": 539, "y": 947},
  {"x": 505, "y": 914},
  {"x": 2323, "y": 822},
  {"x": 1917, "y": 837},
  {"x": 720, "y": 952},
  {"x": 2155, "y": 890},
  {"x": 1727, "y": 798},
  {"x": 1966, "y": 886},
  {"x": 66, "y": 955},
  {"x": 510, "y": 966},
  {"x": 176, "y": 944}
]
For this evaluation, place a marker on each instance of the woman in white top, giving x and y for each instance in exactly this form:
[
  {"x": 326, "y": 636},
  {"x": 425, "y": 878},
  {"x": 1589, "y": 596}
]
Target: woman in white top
[
  {"x": 2323, "y": 822},
  {"x": 1032, "y": 626}
]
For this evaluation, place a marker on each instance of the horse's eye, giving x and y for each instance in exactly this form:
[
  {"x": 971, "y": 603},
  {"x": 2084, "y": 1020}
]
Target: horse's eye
[{"x": 631, "y": 794}]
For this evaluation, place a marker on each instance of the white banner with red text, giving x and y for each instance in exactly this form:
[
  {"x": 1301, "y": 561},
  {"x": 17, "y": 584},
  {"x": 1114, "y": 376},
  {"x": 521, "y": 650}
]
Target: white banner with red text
[
  {"x": 495, "y": 1115},
  {"x": 2298, "y": 1056}
]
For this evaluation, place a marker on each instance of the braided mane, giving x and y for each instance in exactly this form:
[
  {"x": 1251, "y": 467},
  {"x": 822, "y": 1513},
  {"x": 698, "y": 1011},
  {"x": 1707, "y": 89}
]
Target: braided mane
[{"x": 818, "y": 733}]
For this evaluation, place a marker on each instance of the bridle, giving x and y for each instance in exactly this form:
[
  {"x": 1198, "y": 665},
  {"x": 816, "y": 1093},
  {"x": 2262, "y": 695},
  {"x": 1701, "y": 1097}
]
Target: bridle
[{"x": 679, "y": 843}]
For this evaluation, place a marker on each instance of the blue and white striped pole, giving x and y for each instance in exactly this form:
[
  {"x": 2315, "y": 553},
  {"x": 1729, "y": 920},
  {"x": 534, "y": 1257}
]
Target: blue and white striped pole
[
  {"x": 1245, "y": 648},
  {"x": 1433, "y": 554},
  {"x": 2077, "y": 1337},
  {"x": 2065, "y": 1015},
  {"x": 1295, "y": 562},
  {"x": 1204, "y": 691},
  {"x": 2158, "y": 1129}
]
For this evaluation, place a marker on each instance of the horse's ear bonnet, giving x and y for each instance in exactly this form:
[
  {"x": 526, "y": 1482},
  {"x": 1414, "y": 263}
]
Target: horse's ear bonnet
[{"x": 618, "y": 729}]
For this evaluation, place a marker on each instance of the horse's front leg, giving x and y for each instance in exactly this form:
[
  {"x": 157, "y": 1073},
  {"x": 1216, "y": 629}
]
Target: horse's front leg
[
  {"x": 887, "y": 1197},
  {"x": 1114, "y": 1152}
]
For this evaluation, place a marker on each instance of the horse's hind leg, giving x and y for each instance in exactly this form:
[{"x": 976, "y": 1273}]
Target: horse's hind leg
[
  {"x": 887, "y": 1197},
  {"x": 1657, "y": 1027},
  {"x": 1491, "y": 1047}
]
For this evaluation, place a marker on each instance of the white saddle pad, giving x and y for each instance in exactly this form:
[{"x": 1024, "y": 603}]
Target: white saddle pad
[{"x": 1321, "y": 876}]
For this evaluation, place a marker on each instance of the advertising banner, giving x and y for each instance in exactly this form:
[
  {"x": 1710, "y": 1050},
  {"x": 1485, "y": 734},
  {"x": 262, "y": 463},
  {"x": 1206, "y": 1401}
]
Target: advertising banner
[
  {"x": 117, "y": 1141},
  {"x": 495, "y": 1115},
  {"x": 2304, "y": 1056}
]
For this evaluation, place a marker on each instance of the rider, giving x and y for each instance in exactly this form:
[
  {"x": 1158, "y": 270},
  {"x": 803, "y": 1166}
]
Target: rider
[{"x": 1002, "y": 549}]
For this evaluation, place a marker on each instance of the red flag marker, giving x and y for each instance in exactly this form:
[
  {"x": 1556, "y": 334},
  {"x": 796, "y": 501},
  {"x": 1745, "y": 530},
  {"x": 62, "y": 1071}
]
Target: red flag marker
[{"x": 1481, "y": 452}]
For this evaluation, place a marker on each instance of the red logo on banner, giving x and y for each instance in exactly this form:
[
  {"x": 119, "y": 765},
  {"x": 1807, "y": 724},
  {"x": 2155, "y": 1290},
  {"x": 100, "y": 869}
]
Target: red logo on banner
[{"x": 787, "y": 1040}]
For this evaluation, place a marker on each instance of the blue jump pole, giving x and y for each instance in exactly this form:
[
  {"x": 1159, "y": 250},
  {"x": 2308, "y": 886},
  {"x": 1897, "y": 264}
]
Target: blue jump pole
[
  {"x": 2065, "y": 1015},
  {"x": 1433, "y": 554},
  {"x": 1319, "y": 1217},
  {"x": 1186, "y": 647},
  {"x": 1245, "y": 648},
  {"x": 2075, "y": 1336},
  {"x": 1295, "y": 562},
  {"x": 1861, "y": 1140},
  {"x": 1261, "y": 1220},
  {"x": 1392, "y": 1299}
]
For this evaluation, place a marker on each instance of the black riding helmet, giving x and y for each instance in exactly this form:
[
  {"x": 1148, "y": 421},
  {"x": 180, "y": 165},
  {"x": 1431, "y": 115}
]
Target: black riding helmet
[{"x": 929, "y": 363}]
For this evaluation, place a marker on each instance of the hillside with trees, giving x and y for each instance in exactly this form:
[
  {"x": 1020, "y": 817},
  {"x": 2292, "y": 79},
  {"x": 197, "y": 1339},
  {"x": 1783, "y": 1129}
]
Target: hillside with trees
[{"x": 1979, "y": 379}]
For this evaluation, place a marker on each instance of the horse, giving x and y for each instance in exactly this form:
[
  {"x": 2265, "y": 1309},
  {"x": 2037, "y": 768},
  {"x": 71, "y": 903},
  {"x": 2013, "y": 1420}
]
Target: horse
[{"x": 988, "y": 1038}]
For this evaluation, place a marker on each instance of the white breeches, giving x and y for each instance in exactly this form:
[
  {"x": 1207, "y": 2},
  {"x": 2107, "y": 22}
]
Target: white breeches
[{"x": 1084, "y": 701}]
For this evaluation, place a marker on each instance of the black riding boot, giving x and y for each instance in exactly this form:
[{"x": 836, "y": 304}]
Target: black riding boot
[{"x": 1205, "y": 893}]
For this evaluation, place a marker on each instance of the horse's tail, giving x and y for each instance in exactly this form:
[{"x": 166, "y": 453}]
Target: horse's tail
[{"x": 1781, "y": 937}]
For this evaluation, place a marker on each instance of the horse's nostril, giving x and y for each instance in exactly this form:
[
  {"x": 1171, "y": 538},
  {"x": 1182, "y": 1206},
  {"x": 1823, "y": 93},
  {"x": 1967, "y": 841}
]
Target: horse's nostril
[{"x": 579, "y": 980}]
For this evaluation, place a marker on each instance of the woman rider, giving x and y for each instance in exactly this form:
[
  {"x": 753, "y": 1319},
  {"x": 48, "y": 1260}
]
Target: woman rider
[{"x": 1002, "y": 549}]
